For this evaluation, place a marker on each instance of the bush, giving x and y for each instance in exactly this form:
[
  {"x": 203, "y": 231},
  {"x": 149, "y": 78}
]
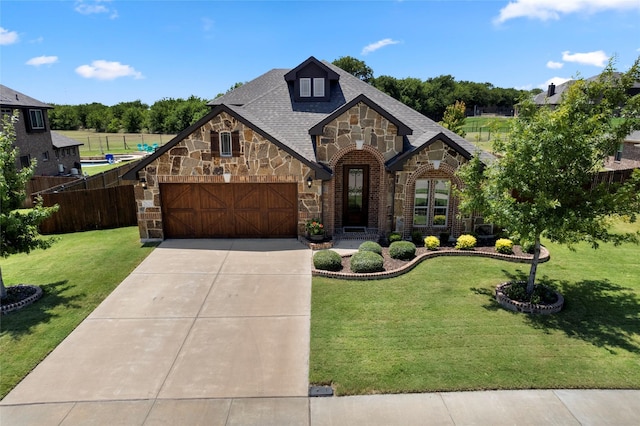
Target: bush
[
  {"x": 528, "y": 247},
  {"x": 466, "y": 242},
  {"x": 541, "y": 294},
  {"x": 395, "y": 236},
  {"x": 371, "y": 246},
  {"x": 416, "y": 237},
  {"x": 403, "y": 250},
  {"x": 444, "y": 238},
  {"x": 366, "y": 261},
  {"x": 504, "y": 246},
  {"x": 431, "y": 242},
  {"x": 327, "y": 260}
]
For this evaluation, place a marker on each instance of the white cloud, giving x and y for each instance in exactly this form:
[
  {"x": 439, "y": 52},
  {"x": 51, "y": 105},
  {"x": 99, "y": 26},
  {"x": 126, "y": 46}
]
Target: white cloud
[
  {"x": 377, "y": 45},
  {"x": 555, "y": 80},
  {"x": 95, "y": 7},
  {"x": 106, "y": 70},
  {"x": 552, "y": 9},
  {"x": 554, "y": 65},
  {"x": 42, "y": 60},
  {"x": 597, "y": 58},
  {"x": 8, "y": 37}
]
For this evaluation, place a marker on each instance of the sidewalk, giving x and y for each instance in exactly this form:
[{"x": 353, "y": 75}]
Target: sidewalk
[{"x": 216, "y": 332}]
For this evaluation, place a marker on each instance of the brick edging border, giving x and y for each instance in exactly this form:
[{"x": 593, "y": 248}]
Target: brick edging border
[
  {"x": 527, "y": 307},
  {"x": 544, "y": 257},
  {"x": 21, "y": 304}
]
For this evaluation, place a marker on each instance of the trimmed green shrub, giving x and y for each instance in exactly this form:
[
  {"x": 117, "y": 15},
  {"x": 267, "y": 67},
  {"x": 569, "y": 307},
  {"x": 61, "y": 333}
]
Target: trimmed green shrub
[
  {"x": 403, "y": 250},
  {"x": 504, "y": 246},
  {"x": 366, "y": 261},
  {"x": 371, "y": 246},
  {"x": 466, "y": 242},
  {"x": 395, "y": 236},
  {"x": 527, "y": 247},
  {"x": 327, "y": 260},
  {"x": 431, "y": 242},
  {"x": 416, "y": 237}
]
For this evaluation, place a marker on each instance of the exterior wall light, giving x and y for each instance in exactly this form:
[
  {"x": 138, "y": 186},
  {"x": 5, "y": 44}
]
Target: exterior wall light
[
  {"x": 309, "y": 182},
  {"x": 143, "y": 182}
]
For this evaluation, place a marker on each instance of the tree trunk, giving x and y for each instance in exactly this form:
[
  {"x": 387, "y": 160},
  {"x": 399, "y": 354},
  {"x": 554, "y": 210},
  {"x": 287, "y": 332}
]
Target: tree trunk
[
  {"x": 534, "y": 266},
  {"x": 3, "y": 289}
]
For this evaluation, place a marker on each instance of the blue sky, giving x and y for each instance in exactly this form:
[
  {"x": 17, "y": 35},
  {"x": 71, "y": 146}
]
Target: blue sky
[{"x": 73, "y": 52}]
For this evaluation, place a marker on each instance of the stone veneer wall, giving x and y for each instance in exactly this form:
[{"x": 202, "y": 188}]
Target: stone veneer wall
[
  {"x": 191, "y": 161},
  {"x": 420, "y": 166}
]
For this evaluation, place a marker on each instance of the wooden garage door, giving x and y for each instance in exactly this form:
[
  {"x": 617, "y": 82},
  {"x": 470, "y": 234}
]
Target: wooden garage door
[{"x": 226, "y": 210}]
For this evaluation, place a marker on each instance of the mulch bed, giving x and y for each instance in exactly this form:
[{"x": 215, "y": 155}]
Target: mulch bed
[{"x": 391, "y": 264}]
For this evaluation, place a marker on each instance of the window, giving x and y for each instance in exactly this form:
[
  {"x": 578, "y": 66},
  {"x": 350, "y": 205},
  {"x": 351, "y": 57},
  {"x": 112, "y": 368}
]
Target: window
[
  {"x": 431, "y": 202},
  {"x": 305, "y": 87},
  {"x": 25, "y": 161},
  {"x": 7, "y": 111},
  {"x": 36, "y": 119},
  {"x": 318, "y": 87},
  {"x": 421, "y": 203},
  {"x": 225, "y": 144},
  {"x": 45, "y": 156}
]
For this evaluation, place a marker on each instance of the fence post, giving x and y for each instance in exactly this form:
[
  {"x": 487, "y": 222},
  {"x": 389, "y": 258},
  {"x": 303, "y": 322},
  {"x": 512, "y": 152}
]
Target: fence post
[
  {"x": 89, "y": 142},
  {"x": 107, "y": 138},
  {"x": 124, "y": 141}
]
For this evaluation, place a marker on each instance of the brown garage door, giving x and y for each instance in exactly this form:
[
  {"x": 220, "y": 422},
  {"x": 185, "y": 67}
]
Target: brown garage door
[{"x": 227, "y": 210}]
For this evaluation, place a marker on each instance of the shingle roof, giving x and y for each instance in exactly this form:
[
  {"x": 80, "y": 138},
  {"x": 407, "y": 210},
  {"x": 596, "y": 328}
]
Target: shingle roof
[
  {"x": 14, "y": 99},
  {"x": 61, "y": 141},
  {"x": 267, "y": 102}
]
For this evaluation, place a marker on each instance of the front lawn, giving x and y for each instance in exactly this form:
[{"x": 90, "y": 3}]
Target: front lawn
[
  {"x": 438, "y": 327},
  {"x": 76, "y": 274}
]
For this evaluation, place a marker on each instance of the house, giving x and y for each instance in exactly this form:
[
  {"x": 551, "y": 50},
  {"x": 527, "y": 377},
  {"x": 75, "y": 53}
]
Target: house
[
  {"x": 55, "y": 154},
  {"x": 292, "y": 145},
  {"x": 627, "y": 155}
]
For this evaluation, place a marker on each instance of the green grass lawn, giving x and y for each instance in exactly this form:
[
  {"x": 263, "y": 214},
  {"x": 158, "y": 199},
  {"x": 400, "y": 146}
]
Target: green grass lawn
[
  {"x": 438, "y": 327},
  {"x": 76, "y": 274},
  {"x": 481, "y": 131}
]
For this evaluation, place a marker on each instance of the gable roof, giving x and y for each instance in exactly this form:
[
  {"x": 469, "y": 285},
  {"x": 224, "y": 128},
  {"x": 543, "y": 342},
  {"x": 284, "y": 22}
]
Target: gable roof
[
  {"x": 14, "y": 99},
  {"x": 331, "y": 74},
  {"x": 267, "y": 104}
]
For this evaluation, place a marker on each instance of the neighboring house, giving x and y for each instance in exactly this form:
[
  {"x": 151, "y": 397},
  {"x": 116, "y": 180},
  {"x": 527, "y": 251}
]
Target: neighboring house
[
  {"x": 628, "y": 154},
  {"x": 54, "y": 153},
  {"x": 292, "y": 145}
]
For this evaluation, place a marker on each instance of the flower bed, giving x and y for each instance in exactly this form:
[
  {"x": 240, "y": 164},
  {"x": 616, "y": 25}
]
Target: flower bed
[
  {"x": 19, "y": 296},
  {"x": 527, "y": 307}
]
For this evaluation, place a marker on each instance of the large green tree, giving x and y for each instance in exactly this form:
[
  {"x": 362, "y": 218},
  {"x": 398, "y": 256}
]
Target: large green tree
[
  {"x": 544, "y": 181},
  {"x": 454, "y": 118},
  {"x": 18, "y": 227},
  {"x": 355, "y": 67}
]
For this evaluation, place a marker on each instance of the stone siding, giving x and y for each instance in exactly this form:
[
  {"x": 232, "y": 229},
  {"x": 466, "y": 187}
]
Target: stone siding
[{"x": 191, "y": 161}]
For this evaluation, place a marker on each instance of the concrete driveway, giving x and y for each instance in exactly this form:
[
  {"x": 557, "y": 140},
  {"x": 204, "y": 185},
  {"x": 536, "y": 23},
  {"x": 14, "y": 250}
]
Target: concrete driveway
[{"x": 198, "y": 319}]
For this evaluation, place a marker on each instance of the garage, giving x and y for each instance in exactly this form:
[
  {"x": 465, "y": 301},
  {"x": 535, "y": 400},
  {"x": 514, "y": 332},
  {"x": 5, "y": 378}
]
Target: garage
[{"x": 229, "y": 210}]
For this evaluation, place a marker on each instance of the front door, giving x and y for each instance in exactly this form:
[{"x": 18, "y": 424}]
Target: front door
[{"x": 356, "y": 195}]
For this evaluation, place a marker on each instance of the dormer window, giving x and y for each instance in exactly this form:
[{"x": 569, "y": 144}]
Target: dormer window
[
  {"x": 36, "y": 119},
  {"x": 311, "y": 81}
]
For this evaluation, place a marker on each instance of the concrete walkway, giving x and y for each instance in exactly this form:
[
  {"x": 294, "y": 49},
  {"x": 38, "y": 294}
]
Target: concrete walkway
[{"x": 216, "y": 332}]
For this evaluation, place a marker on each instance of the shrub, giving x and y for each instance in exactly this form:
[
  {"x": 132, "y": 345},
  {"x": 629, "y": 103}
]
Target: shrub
[
  {"x": 431, "y": 242},
  {"x": 327, "y": 260},
  {"x": 466, "y": 242},
  {"x": 371, "y": 246},
  {"x": 541, "y": 294},
  {"x": 444, "y": 238},
  {"x": 527, "y": 247},
  {"x": 366, "y": 261},
  {"x": 504, "y": 246},
  {"x": 403, "y": 250},
  {"x": 416, "y": 237},
  {"x": 395, "y": 236}
]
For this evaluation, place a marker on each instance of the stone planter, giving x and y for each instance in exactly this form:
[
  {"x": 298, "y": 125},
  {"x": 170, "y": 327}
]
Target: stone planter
[
  {"x": 525, "y": 307},
  {"x": 316, "y": 237}
]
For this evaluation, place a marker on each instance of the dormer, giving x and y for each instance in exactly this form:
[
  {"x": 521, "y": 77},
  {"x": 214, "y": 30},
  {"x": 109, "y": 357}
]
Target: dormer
[{"x": 311, "y": 81}]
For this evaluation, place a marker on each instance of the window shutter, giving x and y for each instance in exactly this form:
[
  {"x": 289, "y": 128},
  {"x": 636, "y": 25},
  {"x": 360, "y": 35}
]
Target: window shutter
[
  {"x": 215, "y": 143},
  {"x": 235, "y": 143}
]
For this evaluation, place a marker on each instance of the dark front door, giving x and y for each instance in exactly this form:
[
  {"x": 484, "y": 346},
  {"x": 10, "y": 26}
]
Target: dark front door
[{"x": 356, "y": 195}]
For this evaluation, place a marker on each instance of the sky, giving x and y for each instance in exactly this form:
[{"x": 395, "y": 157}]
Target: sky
[{"x": 112, "y": 51}]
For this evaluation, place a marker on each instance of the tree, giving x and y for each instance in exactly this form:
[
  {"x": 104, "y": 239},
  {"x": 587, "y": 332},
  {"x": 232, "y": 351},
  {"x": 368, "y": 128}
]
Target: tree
[
  {"x": 544, "y": 182},
  {"x": 454, "y": 116},
  {"x": 18, "y": 228},
  {"x": 355, "y": 67}
]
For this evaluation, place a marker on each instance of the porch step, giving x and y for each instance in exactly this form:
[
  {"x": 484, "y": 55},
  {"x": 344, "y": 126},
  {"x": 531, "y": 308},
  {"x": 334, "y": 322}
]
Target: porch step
[{"x": 356, "y": 234}]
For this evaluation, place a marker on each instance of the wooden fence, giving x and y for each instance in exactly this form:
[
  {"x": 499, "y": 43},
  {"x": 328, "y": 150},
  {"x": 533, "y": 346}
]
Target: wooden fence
[
  {"x": 87, "y": 210},
  {"x": 42, "y": 183}
]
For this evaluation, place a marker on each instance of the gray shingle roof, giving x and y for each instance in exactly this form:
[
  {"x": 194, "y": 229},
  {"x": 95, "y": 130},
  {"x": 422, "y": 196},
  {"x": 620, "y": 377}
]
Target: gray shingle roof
[
  {"x": 61, "y": 141},
  {"x": 14, "y": 99}
]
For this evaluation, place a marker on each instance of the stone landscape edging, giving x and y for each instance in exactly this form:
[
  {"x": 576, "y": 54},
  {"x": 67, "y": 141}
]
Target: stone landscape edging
[
  {"x": 544, "y": 257},
  {"x": 527, "y": 307},
  {"x": 25, "y": 302}
]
